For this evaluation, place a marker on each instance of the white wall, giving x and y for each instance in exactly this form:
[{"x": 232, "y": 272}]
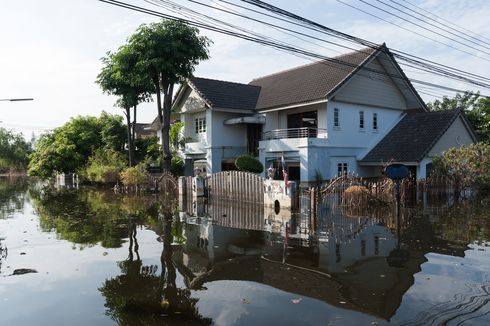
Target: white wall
[
  {"x": 372, "y": 89},
  {"x": 457, "y": 135},
  {"x": 348, "y": 134}
]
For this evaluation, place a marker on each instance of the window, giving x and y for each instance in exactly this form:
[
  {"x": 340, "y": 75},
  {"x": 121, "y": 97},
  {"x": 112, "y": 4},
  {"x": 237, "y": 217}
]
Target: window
[
  {"x": 341, "y": 169},
  {"x": 375, "y": 121},
  {"x": 361, "y": 119},
  {"x": 200, "y": 125},
  {"x": 336, "y": 122}
]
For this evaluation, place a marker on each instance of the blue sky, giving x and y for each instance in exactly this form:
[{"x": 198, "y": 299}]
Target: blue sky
[{"x": 51, "y": 50}]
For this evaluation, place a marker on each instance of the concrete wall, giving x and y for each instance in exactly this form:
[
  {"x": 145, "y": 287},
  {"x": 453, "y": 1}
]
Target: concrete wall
[
  {"x": 457, "y": 135},
  {"x": 348, "y": 134},
  {"x": 369, "y": 88}
]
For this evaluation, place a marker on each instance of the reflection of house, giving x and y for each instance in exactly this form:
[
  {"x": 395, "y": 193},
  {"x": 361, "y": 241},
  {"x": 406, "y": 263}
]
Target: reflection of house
[{"x": 350, "y": 113}]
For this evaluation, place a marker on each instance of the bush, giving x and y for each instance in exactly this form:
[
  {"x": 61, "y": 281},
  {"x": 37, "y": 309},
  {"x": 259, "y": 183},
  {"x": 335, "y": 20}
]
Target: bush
[
  {"x": 466, "y": 166},
  {"x": 177, "y": 167},
  {"x": 249, "y": 163},
  {"x": 104, "y": 166},
  {"x": 134, "y": 176}
]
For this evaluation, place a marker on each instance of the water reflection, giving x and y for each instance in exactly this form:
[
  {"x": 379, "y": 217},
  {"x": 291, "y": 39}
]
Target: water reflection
[
  {"x": 12, "y": 195},
  {"x": 350, "y": 258},
  {"x": 233, "y": 263},
  {"x": 148, "y": 294}
]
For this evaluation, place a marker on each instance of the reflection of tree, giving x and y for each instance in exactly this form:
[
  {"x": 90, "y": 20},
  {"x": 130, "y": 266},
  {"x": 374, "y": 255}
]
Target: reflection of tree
[
  {"x": 12, "y": 196},
  {"x": 3, "y": 254},
  {"x": 90, "y": 217},
  {"x": 139, "y": 296}
]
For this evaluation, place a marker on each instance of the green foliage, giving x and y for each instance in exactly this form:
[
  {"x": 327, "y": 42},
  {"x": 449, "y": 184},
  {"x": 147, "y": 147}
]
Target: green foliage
[
  {"x": 112, "y": 131},
  {"x": 122, "y": 76},
  {"x": 249, "y": 163},
  {"x": 147, "y": 149},
  {"x": 177, "y": 167},
  {"x": 168, "y": 51},
  {"x": 14, "y": 151},
  {"x": 177, "y": 140},
  {"x": 68, "y": 147},
  {"x": 476, "y": 108},
  {"x": 466, "y": 166},
  {"x": 104, "y": 166},
  {"x": 134, "y": 176}
]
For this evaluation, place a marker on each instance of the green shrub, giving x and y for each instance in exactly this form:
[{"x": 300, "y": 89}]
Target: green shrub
[
  {"x": 249, "y": 163},
  {"x": 134, "y": 176},
  {"x": 104, "y": 166},
  {"x": 177, "y": 167},
  {"x": 466, "y": 166}
]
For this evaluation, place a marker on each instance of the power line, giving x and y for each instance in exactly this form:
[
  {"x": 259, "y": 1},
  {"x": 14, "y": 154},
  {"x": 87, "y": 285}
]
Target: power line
[
  {"x": 429, "y": 30},
  {"x": 446, "y": 21},
  {"x": 329, "y": 31},
  {"x": 430, "y": 23},
  {"x": 411, "y": 63},
  {"x": 250, "y": 38}
]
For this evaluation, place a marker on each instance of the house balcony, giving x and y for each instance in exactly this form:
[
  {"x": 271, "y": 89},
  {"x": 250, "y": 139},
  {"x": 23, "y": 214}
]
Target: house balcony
[
  {"x": 284, "y": 140},
  {"x": 306, "y": 132},
  {"x": 195, "y": 148}
]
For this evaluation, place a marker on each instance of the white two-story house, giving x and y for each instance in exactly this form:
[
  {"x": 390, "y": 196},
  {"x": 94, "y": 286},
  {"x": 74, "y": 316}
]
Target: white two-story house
[{"x": 352, "y": 113}]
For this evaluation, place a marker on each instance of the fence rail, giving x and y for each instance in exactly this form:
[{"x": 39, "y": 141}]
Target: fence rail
[{"x": 236, "y": 185}]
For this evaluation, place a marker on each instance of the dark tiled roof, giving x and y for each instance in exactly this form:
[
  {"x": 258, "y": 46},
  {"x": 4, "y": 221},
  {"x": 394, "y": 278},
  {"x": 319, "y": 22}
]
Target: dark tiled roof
[
  {"x": 223, "y": 94},
  {"x": 143, "y": 128},
  {"x": 309, "y": 82},
  {"x": 412, "y": 137}
]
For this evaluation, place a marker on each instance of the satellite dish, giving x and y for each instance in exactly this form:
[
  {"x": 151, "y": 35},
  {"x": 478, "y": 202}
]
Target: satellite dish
[{"x": 396, "y": 171}]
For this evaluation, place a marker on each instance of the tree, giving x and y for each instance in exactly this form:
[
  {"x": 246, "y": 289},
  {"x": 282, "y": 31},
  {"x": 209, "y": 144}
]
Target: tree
[
  {"x": 14, "y": 151},
  {"x": 476, "y": 108},
  {"x": 68, "y": 148},
  {"x": 121, "y": 76},
  {"x": 168, "y": 52}
]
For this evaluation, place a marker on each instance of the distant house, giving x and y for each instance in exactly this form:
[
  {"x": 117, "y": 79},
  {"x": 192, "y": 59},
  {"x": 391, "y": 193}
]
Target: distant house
[
  {"x": 352, "y": 113},
  {"x": 144, "y": 130}
]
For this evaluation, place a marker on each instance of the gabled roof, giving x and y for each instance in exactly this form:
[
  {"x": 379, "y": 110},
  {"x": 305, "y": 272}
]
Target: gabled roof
[
  {"x": 310, "y": 82},
  {"x": 413, "y": 137},
  {"x": 224, "y": 94}
]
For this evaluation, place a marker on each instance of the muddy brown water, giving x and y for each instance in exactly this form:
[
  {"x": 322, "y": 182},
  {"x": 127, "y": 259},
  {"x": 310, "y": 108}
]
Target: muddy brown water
[{"x": 90, "y": 257}]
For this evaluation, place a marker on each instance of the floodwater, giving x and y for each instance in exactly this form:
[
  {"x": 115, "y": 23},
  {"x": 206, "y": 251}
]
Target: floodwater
[{"x": 88, "y": 257}]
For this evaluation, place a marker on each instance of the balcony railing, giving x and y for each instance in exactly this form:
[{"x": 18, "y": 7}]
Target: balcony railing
[{"x": 306, "y": 132}]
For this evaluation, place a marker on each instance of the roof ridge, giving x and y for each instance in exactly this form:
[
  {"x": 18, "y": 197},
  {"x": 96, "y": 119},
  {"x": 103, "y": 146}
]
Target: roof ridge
[
  {"x": 223, "y": 81},
  {"x": 313, "y": 63}
]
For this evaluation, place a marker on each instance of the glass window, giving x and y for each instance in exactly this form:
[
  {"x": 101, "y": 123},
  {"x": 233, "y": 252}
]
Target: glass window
[
  {"x": 336, "y": 122},
  {"x": 361, "y": 119},
  {"x": 341, "y": 169},
  {"x": 199, "y": 125},
  {"x": 375, "y": 121}
]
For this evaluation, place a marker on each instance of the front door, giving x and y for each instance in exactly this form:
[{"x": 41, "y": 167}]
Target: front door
[{"x": 254, "y": 134}]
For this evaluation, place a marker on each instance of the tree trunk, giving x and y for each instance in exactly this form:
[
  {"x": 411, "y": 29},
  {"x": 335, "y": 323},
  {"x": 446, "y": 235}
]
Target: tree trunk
[
  {"x": 133, "y": 136},
  {"x": 130, "y": 143},
  {"x": 167, "y": 105}
]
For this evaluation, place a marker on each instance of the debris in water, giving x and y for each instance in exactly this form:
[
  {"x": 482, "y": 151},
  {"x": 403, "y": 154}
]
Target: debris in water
[
  {"x": 22, "y": 271},
  {"x": 245, "y": 301},
  {"x": 105, "y": 253},
  {"x": 22, "y": 253},
  {"x": 296, "y": 301}
]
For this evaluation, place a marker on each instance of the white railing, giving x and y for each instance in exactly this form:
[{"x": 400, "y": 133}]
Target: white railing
[{"x": 305, "y": 132}]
